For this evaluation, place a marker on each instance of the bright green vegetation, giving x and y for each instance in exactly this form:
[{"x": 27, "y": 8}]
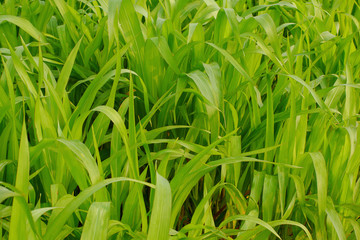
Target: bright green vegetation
[{"x": 164, "y": 119}]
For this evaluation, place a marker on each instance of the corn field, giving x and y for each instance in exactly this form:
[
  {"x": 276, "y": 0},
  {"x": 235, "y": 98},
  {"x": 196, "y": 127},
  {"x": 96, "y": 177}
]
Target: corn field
[{"x": 179, "y": 119}]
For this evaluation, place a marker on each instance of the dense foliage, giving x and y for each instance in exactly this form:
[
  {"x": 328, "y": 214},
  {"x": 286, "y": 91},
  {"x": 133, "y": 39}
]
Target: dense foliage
[{"x": 165, "y": 119}]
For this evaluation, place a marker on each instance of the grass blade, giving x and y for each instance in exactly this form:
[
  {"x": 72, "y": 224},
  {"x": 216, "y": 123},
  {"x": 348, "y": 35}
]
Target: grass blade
[{"x": 161, "y": 211}]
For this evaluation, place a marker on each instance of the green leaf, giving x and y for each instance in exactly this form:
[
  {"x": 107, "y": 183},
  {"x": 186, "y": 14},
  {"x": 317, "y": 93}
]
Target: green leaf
[
  {"x": 18, "y": 222},
  {"x": 321, "y": 179},
  {"x": 55, "y": 227},
  {"x": 250, "y": 219},
  {"x": 97, "y": 221},
  {"x": 161, "y": 44},
  {"x": 161, "y": 211},
  {"x": 25, "y": 25},
  {"x": 120, "y": 125},
  {"x": 66, "y": 70}
]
